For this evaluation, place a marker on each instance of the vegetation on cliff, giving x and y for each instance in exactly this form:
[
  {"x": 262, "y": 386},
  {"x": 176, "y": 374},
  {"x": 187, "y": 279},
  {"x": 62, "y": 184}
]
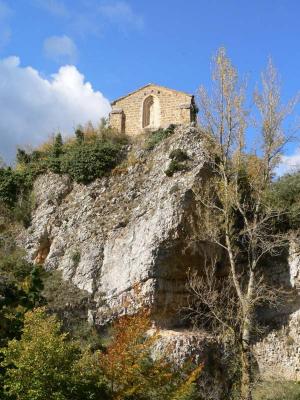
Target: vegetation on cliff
[
  {"x": 90, "y": 155},
  {"x": 48, "y": 351},
  {"x": 45, "y": 363},
  {"x": 42, "y": 356},
  {"x": 284, "y": 195},
  {"x": 242, "y": 208}
]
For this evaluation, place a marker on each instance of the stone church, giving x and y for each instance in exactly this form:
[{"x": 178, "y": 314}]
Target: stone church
[{"x": 151, "y": 107}]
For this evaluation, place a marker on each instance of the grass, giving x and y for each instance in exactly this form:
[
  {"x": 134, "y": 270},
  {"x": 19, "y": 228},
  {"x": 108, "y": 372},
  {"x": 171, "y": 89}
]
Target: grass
[
  {"x": 277, "y": 390},
  {"x": 158, "y": 136}
]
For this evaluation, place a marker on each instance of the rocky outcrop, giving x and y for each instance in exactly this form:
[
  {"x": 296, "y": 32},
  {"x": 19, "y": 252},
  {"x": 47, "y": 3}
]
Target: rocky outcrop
[
  {"x": 128, "y": 237},
  {"x": 278, "y": 352}
]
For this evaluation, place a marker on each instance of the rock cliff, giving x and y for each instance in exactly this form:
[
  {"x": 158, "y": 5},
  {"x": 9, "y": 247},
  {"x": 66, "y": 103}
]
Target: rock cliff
[{"x": 130, "y": 237}]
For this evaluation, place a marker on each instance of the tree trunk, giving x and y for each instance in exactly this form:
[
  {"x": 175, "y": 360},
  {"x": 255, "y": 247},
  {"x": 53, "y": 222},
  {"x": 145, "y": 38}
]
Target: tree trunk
[{"x": 246, "y": 362}]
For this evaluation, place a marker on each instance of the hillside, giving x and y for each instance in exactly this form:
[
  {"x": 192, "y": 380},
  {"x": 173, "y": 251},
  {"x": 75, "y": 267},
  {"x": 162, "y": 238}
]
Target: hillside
[
  {"x": 149, "y": 200},
  {"x": 130, "y": 238}
]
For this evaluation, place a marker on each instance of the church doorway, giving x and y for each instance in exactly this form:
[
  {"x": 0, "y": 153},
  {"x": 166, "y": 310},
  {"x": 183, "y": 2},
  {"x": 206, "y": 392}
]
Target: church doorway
[{"x": 151, "y": 112}]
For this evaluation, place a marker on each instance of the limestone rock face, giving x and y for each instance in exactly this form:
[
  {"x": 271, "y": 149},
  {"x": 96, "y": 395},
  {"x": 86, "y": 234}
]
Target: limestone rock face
[
  {"x": 278, "y": 352},
  {"x": 125, "y": 238},
  {"x": 129, "y": 239}
]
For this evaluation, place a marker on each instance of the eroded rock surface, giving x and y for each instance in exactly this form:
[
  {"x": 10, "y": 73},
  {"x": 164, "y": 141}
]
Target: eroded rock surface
[
  {"x": 129, "y": 239},
  {"x": 129, "y": 235}
]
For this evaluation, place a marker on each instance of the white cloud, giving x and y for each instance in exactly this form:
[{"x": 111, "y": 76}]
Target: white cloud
[
  {"x": 61, "y": 49},
  {"x": 289, "y": 164},
  {"x": 33, "y": 107},
  {"x": 121, "y": 13}
]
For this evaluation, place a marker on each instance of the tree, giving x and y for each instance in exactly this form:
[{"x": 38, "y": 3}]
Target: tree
[
  {"x": 132, "y": 371},
  {"x": 79, "y": 135},
  {"x": 54, "y": 159},
  {"x": 20, "y": 281},
  {"x": 22, "y": 157},
  {"x": 285, "y": 194},
  {"x": 57, "y": 145},
  {"x": 44, "y": 364},
  {"x": 237, "y": 216}
]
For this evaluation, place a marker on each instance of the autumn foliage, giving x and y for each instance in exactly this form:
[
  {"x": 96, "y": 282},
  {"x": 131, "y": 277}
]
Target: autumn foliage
[
  {"x": 128, "y": 365},
  {"x": 46, "y": 364}
]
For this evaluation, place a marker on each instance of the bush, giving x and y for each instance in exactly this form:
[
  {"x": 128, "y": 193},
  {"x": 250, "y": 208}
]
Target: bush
[
  {"x": 55, "y": 157},
  {"x": 159, "y": 135},
  {"x": 284, "y": 195},
  {"x": 22, "y": 157},
  {"x": 86, "y": 162},
  {"x": 76, "y": 257},
  {"x": 70, "y": 304},
  {"x": 178, "y": 155},
  {"x": 10, "y": 186},
  {"x": 134, "y": 374},
  {"x": 43, "y": 364},
  {"x": 178, "y": 158},
  {"x": 20, "y": 288},
  {"x": 79, "y": 136},
  {"x": 15, "y": 187},
  {"x": 173, "y": 167},
  {"x": 20, "y": 283},
  {"x": 46, "y": 364},
  {"x": 84, "y": 159},
  {"x": 22, "y": 210}
]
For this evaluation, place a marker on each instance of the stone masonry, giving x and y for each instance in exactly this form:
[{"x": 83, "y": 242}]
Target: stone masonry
[{"x": 151, "y": 107}]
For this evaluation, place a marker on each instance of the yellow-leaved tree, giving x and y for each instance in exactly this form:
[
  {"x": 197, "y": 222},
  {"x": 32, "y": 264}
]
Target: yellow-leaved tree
[{"x": 134, "y": 373}]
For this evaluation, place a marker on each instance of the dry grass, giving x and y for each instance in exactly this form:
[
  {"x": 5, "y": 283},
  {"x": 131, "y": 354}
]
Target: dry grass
[{"x": 277, "y": 390}]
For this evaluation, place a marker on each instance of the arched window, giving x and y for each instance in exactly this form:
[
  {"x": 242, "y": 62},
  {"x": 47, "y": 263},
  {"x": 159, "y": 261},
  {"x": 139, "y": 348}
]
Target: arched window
[{"x": 151, "y": 112}]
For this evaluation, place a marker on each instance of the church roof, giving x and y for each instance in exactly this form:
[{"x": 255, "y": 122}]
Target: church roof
[{"x": 145, "y": 86}]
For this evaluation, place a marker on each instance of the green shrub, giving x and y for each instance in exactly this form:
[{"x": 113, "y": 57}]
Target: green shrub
[
  {"x": 159, "y": 135},
  {"x": 70, "y": 304},
  {"x": 22, "y": 210},
  {"x": 178, "y": 158},
  {"x": 284, "y": 195},
  {"x": 22, "y": 157},
  {"x": 76, "y": 257},
  {"x": 54, "y": 159},
  {"x": 173, "y": 167},
  {"x": 79, "y": 136},
  {"x": 57, "y": 146},
  {"x": 89, "y": 161},
  {"x": 10, "y": 184},
  {"x": 20, "y": 285},
  {"x": 178, "y": 155},
  {"x": 15, "y": 187},
  {"x": 84, "y": 159},
  {"x": 44, "y": 364}
]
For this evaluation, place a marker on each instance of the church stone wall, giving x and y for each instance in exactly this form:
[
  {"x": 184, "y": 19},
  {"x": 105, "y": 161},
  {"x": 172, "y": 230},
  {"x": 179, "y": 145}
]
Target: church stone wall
[
  {"x": 117, "y": 120},
  {"x": 175, "y": 108}
]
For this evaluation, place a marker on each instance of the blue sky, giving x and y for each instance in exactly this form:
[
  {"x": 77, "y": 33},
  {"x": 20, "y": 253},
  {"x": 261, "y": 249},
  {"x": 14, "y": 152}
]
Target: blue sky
[{"x": 119, "y": 45}]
